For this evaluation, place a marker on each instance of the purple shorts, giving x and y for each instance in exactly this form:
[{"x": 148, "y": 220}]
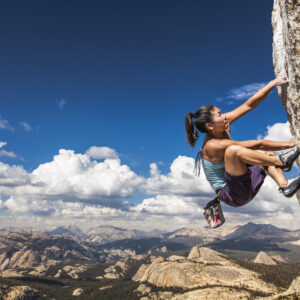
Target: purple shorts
[{"x": 242, "y": 189}]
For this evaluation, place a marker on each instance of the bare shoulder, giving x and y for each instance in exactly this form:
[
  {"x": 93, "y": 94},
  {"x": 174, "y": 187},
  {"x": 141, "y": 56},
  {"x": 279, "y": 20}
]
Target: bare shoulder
[
  {"x": 212, "y": 144},
  {"x": 218, "y": 145},
  {"x": 212, "y": 150}
]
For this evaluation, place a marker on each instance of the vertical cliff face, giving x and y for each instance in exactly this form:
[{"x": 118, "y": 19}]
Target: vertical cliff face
[{"x": 286, "y": 57}]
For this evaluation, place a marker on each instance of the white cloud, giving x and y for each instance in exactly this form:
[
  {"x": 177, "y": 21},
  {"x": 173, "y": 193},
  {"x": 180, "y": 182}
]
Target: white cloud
[
  {"x": 2, "y": 144},
  {"x": 4, "y": 124},
  {"x": 277, "y": 132},
  {"x": 241, "y": 93},
  {"x": 69, "y": 177},
  {"x": 101, "y": 152},
  {"x": 61, "y": 103},
  {"x": 74, "y": 186},
  {"x": 12, "y": 176},
  {"x": 180, "y": 181},
  {"x": 26, "y": 126},
  {"x": 5, "y": 153},
  {"x": 169, "y": 205}
]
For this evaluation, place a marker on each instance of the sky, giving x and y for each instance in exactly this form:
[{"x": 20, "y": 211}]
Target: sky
[{"x": 93, "y": 97}]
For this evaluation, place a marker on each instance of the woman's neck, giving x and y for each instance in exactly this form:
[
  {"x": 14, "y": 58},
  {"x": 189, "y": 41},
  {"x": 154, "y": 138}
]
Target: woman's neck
[{"x": 221, "y": 135}]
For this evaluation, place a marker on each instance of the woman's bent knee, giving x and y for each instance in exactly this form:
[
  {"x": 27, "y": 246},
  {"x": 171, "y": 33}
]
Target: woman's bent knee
[{"x": 233, "y": 150}]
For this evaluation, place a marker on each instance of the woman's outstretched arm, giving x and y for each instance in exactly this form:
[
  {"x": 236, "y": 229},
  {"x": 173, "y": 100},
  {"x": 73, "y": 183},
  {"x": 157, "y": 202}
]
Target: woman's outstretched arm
[{"x": 257, "y": 98}]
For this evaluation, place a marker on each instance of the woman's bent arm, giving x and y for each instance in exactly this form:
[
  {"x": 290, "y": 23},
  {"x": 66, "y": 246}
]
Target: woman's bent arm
[{"x": 266, "y": 145}]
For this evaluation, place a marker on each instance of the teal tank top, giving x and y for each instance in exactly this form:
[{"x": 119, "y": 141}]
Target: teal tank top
[{"x": 214, "y": 171}]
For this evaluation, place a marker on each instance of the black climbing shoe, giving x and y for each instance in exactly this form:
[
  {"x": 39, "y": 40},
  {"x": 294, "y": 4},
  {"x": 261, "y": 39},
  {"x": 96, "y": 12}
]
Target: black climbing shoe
[
  {"x": 291, "y": 189},
  {"x": 288, "y": 159}
]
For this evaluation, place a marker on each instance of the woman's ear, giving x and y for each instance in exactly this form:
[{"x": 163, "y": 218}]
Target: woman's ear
[{"x": 209, "y": 127}]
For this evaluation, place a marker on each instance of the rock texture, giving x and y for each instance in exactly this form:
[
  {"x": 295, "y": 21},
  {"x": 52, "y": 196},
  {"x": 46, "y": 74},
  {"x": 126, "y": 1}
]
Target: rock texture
[
  {"x": 72, "y": 271},
  {"x": 293, "y": 292},
  {"x": 206, "y": 274},
  {"x": 18, "y": 293},
  {"x": 78, "y": 292},
  {"x": 216, "y": 293},
  {"x": 29, "y": 249},
  {"x": 286, "y": 57},
  {"x": 204, "y": 268},
  {"x": 117, "y": 270},
  {"x": 10, "y": 273},
  {"x": 263, "y": 258}
]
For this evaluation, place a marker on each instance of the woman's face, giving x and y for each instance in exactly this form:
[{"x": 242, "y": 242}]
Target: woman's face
[{"x": 219, "y": 120}]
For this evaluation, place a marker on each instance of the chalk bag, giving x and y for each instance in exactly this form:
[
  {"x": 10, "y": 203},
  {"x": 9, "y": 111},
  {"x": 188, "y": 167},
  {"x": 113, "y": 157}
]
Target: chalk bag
[{"x": 213, "y": 213}]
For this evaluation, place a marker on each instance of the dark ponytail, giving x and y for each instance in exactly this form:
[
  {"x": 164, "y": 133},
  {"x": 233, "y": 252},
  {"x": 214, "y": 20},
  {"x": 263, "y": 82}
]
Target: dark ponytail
[
  {"x": 201, "y": 116},
  {"x": 191, "y": 133}
]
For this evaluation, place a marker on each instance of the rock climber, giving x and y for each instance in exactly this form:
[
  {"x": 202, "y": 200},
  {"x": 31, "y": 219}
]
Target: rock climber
[{"x": 236, "y": 170}]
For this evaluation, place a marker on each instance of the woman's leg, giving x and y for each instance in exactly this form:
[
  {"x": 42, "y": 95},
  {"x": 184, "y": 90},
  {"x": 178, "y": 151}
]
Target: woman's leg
[
  {"x": 276, "y": 173},
  {"x": 236, "y": 157}
]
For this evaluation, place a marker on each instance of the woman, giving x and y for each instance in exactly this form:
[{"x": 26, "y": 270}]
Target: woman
[{"x": 236, "y": 170}]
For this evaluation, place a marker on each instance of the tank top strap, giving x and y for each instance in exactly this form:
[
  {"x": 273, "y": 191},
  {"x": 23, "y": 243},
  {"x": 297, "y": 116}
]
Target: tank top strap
[{"x": 197, "y": 166}]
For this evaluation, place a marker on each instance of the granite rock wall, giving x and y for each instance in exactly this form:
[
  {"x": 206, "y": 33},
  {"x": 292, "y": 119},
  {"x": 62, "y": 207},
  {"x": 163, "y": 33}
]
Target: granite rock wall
[{"x": 286, "y": 57}]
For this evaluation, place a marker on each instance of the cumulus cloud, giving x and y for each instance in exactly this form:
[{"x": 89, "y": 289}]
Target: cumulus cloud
[
  {"x": 26, "y": 126},
  {"x": 11, "y": 177},
  {"x": 76, "y": 186},
  {"x": 4, "y": 124},
  {"x": 180, "y": 181},
  {"x": 169, "y": 205},
  {"x": 277, "y": 132},
  {"x": 69, "y": 177},
  {"x": 241, "y": 93},
  {"x": 101, "y": 152}
]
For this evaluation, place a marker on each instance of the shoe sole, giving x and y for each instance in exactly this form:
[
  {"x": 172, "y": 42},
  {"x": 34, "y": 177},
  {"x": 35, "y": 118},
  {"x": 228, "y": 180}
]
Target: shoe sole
[
  {"x": 292, "y": 194},
  {"x": 287, "y": 169}
]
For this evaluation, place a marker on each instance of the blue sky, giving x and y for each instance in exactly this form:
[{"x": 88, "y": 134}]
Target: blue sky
[{"x": 123, "y": 74}]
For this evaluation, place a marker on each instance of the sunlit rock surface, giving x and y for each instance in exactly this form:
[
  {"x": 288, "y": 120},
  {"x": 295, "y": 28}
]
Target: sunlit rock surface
[
  {"x": 263, "y": 258},
  {"x": 286, "y": 57},
  {"x": 205, "y": 269}
]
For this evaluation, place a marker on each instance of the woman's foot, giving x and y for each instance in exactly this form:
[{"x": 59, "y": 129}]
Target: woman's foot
[
  {"x": 291, "y": 189},
  {"x": 288, "y": 158}
]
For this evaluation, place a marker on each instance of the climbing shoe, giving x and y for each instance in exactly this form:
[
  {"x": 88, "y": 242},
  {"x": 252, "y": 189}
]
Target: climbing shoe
[
  {"x": 288, "y": 159},
  {"x": 291, "y": 189}
]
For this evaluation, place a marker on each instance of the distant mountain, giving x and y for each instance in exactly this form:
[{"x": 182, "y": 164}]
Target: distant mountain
[
  {"x": 266, "y": 232},
  {"x": 205, "y": 234},
  {"x": 256, "y": 231},
  {"x": 107, "y": 234},
  {"x": 28, "y": 249},
  {"x": 72, "y": 231}
]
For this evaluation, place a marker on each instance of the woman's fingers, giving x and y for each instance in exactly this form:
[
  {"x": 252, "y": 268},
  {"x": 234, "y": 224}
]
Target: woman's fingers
[{"x": 292, "y": 141}]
